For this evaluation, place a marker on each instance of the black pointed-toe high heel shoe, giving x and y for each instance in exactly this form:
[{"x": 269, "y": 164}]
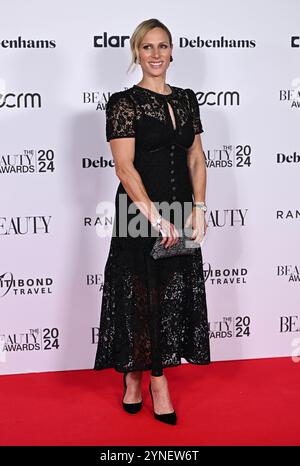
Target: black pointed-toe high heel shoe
[
  {"x": 168, "y": 418},
  {"x": 131, "y": 408}
]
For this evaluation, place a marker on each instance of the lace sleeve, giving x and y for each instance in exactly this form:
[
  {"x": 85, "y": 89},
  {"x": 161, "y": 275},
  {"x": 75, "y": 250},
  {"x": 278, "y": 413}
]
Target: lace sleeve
[
  {"x": 120, "y": 117},
  {"x": 194, "y": 106}
]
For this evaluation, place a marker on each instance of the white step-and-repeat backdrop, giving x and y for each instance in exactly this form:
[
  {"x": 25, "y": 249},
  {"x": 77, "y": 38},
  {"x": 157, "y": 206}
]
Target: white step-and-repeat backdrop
[{"x": 60, "y": 61}]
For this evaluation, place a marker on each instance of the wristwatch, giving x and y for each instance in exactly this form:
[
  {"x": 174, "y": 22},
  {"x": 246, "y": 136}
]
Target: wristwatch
[{"x": 200, "y": 205}]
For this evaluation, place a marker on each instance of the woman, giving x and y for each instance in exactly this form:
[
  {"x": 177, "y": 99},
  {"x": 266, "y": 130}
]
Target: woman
[{"x": 154, "y": 311}]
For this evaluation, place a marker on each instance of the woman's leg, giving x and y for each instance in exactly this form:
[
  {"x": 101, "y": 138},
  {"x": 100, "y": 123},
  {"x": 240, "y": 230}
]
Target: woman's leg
[
  {"x": 161, "y": 396},
  {"x": 133, "y": 382}
]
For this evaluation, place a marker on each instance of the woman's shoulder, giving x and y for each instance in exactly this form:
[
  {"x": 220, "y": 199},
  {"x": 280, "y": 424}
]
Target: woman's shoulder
[
  {"x": 120, "y": 94},
  {"x": 191, "y": 97},
  {"x": 184, "y": 93},
  {"x": 120, "y": 98},
  {"x": 189, "y": 91}
]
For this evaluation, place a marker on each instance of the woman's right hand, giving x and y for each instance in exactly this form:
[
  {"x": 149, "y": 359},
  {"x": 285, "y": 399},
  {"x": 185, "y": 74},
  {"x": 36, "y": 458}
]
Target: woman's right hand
[{"x": 169, "y": 233}]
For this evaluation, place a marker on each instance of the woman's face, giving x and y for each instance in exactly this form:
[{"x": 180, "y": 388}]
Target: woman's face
[{"x": 155, "y": 52}]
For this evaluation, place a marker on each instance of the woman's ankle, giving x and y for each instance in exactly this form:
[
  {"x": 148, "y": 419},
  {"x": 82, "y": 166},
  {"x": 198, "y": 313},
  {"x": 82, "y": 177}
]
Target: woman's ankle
[{"x": 158, "y": 382}]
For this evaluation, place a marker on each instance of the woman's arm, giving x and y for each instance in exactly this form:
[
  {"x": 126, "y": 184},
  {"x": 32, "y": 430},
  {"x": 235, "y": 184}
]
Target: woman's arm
[
  {"x": 197, "y": 169},
  {"x": 120, "y": 132},
  {"x": 123, "y": 150},
  {"x": 123, "y": 154}
]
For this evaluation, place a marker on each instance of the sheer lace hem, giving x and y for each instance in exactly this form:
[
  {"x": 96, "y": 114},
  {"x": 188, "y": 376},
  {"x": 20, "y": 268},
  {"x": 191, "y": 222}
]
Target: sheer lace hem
[{"x": 121, "y": 368}]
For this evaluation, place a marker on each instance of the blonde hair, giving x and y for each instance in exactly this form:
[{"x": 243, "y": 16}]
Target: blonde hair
[{"x": 138, "y": 34}]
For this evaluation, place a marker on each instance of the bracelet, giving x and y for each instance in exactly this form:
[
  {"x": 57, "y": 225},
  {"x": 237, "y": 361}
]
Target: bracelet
[
  {"x": 200, "y": 205},
  {"x": 157, "y": 223}
]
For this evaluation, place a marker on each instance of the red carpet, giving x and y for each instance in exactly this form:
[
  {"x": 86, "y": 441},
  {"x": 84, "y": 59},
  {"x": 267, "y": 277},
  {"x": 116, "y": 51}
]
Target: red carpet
[{"x": 253, "y": 402}]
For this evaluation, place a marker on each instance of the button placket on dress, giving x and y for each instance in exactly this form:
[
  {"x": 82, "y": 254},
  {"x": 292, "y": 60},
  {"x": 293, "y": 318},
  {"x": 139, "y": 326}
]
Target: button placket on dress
[
  {"x": 172, "y": 147},
  {"x": 172, "y": 171}
]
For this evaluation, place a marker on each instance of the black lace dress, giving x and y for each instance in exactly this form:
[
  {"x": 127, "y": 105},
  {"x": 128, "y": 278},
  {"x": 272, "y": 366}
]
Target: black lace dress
[{"x": 153, "y": 311}]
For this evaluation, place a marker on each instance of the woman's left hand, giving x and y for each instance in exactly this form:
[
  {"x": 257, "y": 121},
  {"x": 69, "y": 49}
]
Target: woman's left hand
[{"x": 197, "y": 221}]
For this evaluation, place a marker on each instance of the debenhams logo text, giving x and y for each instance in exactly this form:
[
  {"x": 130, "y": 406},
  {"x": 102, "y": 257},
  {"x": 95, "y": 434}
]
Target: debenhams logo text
[
  {"x": 217, "y": 43},
  {"x": 20, "y": 43},
  {"x": 288, "y": 158}
]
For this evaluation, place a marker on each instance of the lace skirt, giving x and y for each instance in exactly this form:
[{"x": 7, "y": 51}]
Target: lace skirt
[{"x": 153, "y": 312}]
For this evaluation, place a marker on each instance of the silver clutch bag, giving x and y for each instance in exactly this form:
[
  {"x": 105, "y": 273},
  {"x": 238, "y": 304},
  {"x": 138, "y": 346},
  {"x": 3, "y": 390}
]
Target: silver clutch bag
[{"x": 185, "y": 246}]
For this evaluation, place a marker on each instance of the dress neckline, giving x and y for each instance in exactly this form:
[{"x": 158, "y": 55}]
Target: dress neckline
[{"x": 153, "y": 92}]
